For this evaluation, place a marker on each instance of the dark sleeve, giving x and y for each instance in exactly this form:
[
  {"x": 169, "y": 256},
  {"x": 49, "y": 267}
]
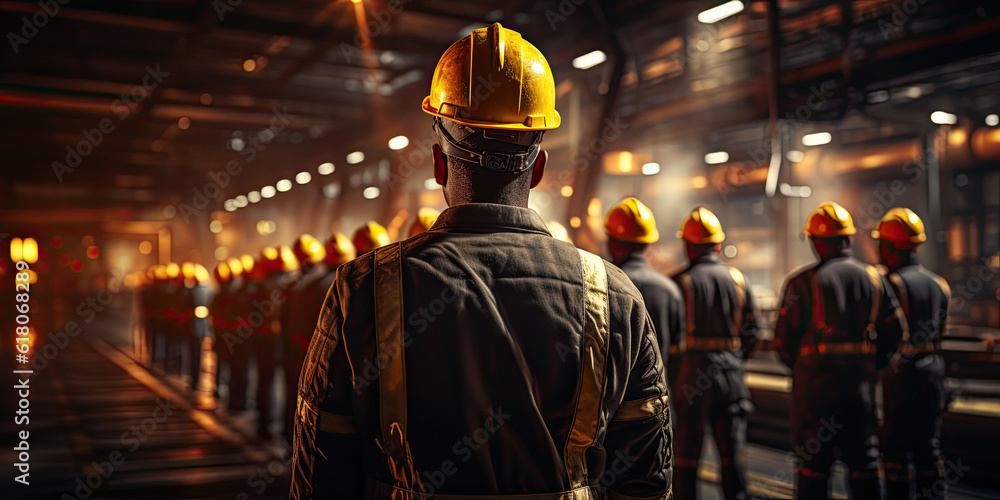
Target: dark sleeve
[
  {"x": 326, "y": 463},
  {"x": 638, "y": 439},
  {"x": 678, "y": 331},
  {"x": 889, "y": 326},
  {"x": 792, "y": 318},
  {"x": 750, "y": 327}
]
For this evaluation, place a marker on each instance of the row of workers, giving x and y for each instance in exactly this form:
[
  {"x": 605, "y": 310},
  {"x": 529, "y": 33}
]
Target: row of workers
[
  {"x": 843, "y": 327},
  {"x": 265, "y": 310}
]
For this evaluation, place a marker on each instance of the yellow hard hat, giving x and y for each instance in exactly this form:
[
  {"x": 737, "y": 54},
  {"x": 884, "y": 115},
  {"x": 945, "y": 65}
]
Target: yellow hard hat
[
  {"x": 426, "y": 217},
  {"x": 151, "y": 273},
  {"x": 493, "y": 78},
  {"x": 222, "y": 273},
  {"x": 828, "y": 220},
  {"x": 369, "y": 237},
  {"x": 631, "y": 221},
  {"x": 701, "y": 227},
  {"x": 248, "y": 263},
  {"x": 308, "y": 249},
  {"x": 902, "y": 228},
  {"x": 201, "y": 274},
  {"x": 173, "y": 271},
  {"x": 187, "y": 270},
  {"x": 235, "y": 266},
  {"x": 286, "y": 259},
  {"x": 160, "y": 273},
  {"x": 339, "y": 250}
]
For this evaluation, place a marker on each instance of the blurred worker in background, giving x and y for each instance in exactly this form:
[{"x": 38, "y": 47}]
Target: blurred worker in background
[
  {"x": 426, "y": 217},
  {"x": 175, "y": 305},
  {"x": 721, "y": 331},
  {"x": 631, "y": 228},
  {"x": 279, "y": 268},
  {"x": 912, "y": 384},
  {"x": 223, "y": 314},
  {"x": 369, "y": 237},
  {"x": 838, "y": 324},
  {"x": 196, "y": 316},
  {"x": 485, "y": 328},
  {"x": 311, "y": 254},
  {"x": 152, "y": 304},
  {"x": 239, "y": 345}
]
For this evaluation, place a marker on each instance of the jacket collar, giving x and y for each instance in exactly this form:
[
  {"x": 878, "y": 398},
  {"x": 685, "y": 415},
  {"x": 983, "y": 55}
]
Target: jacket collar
[{"x": 489, "y": 218}]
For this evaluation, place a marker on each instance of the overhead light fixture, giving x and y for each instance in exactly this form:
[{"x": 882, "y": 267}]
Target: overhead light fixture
[
  {"x": 284, "y": 185},
  {"x": 589, "y": 60},
  {"x": 183, "y": 123},
  {"x": 303, "y": 178},
  {"x": 398, "y": 142},
  {"x": 795, "y": 156},
  {"x": 716, "y": 14},
  {"x": 371, "y": 192},
  {"x": 325, "y": 168},
  {"x": 241, "y": 201},
  {"x": 267, "y": 191},
  {"x": 237, "y": 144},
  {"x": 249, "y": 65},
  {"x": 651, "y": 168},
  {"x": 943, "y": 118},
  {"x": 575, "y": 222},
  {"x": 215, "y": 226},
  {"x": 699, "y": 182},
  {"x": 817, "y": 139},
  {"x": 230, "y": 206},
  {"x": 431, "y": 184},
  {"x": 795, "y": 191},
  {"x": 331, "y": 190},
  {"x": 566, "y": 191},
  {"x": 355, "y": 157},
  {"x": 253, "y": 196},
  {"x": 993, "y": 120},
  {"x": 716, "y": 157}
]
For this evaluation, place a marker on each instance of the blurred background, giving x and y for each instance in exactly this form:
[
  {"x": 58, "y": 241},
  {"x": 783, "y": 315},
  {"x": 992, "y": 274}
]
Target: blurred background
[{"x": 153, "y": 132}]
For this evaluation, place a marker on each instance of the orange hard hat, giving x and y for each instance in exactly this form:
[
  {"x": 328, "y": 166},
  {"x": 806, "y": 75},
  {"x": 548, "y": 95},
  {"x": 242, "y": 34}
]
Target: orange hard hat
[
  {"x": 701, "y": 227},
  {"x": 631, "y": 221},
  {"x": 902, "y": 228},
  {"x": 829, "y": 220},
  {"x": 235, "y": 266}
]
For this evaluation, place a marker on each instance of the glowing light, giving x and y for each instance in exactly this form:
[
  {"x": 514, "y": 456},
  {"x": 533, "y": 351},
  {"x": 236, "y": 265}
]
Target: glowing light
[
  {"x": 625, "y": 162},
  {"x": 184, "y": 123},
  {"x": 575, "y": 222},
  {"x": 241, "y": 201},
  {"x": 16, "y": 247},
  {"x": 303, "y": 178},
  {"x": 943, "y": 118},
  {"x": 594, "y": 207},
  {"x": 371, "y": 192},
  {"x": 93, "y": 252},
  {"x": 398, "y": 142},
  {"x": 729, "y": 251},
  {"x": 266, "y": 227},
  {"x": 589, "y": 60},
  {"x": 430, "y": 184},
  {"x": 795, "y": 156},
  {"x": 229, "y": 205},
  {"x": 326, "y": 168},
  {"x": 237, "y": 144},
  {"x": 76, "y": 266},
  {"x": 992, "y": 120},
  {"x": 145, "y": 248},
  {"x": 253, "y": 196},
  {"x": 249, "y": 65},
  {"x": 651, "y": 168},
  {"x": 215, "y": 226},
  {"x": 817, "y": 139},
  {"x": 29, "y": 250},
  {"x": 716, "y": 157},
  {"x": 284, "y": 185},
  {"x": 205, "y": 99},
  {"x": 716, "y": 14},
  {"x": 267, "y": 191},
  {"x": 355, "y": 158},
  {"x": 221, "y": 253},
  {"x": 699, "y": 182},
  {"x": 201, "y": 312},
  {"x": 566, "y": 191}
]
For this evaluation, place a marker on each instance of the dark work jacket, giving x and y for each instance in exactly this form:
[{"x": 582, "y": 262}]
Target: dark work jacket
[
  {"x": 662, "y": 297},
  {"x": 493, "y": 315},
  {"x": 714, "y": 313},
  {"x": 924, "y": 298}
]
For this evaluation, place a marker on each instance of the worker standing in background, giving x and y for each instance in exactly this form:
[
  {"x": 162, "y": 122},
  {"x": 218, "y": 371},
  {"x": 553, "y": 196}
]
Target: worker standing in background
[
  {"x": 721, "y": 331},
  {"x": 174, "y": 307},
  {"x": 485, "y": 329},
  {"x": 631, "y": 228},
  {"x": 280, "y": 267},
  {"x": 239, "y": 345},
  {"x": 426, "y": 217},
  {"x": 369, "y": 237},
  {"x": 222, "y": 314},
  {"x": 912, "y": 384},
  {"x": 837, "y": 326}
]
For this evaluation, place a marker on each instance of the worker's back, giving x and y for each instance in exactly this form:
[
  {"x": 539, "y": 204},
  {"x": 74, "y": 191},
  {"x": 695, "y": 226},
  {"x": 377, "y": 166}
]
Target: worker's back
[{"x": 493, "y": 313}]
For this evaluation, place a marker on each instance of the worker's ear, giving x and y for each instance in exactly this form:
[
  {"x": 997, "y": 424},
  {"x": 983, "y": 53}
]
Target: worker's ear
[
  {"x": 440, "y": 165},
  {"x": 539, "y": 171}
]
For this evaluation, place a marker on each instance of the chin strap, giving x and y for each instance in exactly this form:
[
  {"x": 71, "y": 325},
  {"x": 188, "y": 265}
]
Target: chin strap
[{"x": 492, "y": 160}]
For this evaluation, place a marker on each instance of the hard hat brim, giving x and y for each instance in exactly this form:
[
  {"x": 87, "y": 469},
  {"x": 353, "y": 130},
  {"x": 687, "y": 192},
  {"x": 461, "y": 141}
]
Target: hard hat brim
[
  {"x": 652, "y": 237},
  {"x": 429, "y": 109},
  {"x": 715, "y": 238}
]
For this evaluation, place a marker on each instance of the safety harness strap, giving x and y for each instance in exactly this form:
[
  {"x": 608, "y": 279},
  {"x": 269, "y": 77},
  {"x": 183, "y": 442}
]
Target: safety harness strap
[
  {"x": 392, "y": 377},
  {"x": 688, "y": 286},
  {"x": 741, "y": 299},
  {"x": 594, "y": 355}
]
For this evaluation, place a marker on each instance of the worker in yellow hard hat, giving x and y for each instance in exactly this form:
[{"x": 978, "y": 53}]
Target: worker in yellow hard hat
[
  {"x": 720, "y": 331},
  {"x": 339, "y": 251},
  {"x": 838, "y": 324},
  {"x": 631, "y": 229},
  {"x": 425, "y": 219},
  {"x": 912, "y": 393},
  {"x": 195, "y": 296},
  {"x": 453, "y": 330},
  {"x": 152, "y": 298},
  {"x": 370, "y": 236}
]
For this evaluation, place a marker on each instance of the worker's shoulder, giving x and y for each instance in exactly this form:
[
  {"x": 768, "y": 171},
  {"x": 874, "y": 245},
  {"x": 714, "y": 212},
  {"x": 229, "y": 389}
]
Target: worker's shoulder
[
  {"x": 801, "y": 273},
  {"x": 355, "y": 273},
  {"x": 620, "y": 287}
]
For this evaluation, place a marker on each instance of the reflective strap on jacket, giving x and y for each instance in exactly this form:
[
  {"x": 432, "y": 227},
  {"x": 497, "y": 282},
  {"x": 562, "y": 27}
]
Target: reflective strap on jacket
[
  {"x": 392, "y": 377},
  {"x": 594, "y": 354},
  {"x": 688, "y": 288},
  {"x": 376, "y": 490},
  {"x": 741, "y": 299},
  {"x": 641, "y": 409}
]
